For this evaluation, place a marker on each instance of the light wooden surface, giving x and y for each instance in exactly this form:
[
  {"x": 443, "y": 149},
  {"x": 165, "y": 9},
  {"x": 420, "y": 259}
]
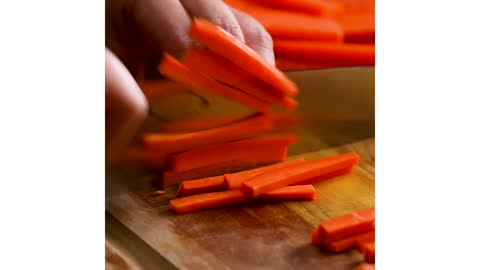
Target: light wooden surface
[{"x": 263, "y": 236}]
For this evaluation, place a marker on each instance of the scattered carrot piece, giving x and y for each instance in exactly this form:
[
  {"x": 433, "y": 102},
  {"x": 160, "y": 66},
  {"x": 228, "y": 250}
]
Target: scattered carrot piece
[
  {"x": 272, "y": 179},
  {"x": 258, "y": 150},
  {"x": 249, "y": 127},
  {"x": 350, "y": 242},
  {"x": 290, "y": 193},
  {"x": 344, "y": 226},
  {"x": 328, "y": 53},
  {"x": 317, "y": 7},
  {"x": 314, "y": 237},
  {"x": 225, "y": 44},
  {"x": 231, "y": 197},
  {"x": 235, "y": 180},
  {"x": 203, "y": 185},
  {"x": 326, "y": 176},
  {"x": 222, "y": 70},
  {"x": 174, "y": 70}
]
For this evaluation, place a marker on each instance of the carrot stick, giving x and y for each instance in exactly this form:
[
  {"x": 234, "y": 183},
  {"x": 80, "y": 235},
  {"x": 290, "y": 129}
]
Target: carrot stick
[
  {"x": 344, "y": 226},
  {"x": 289, "y": 24},
  {"x": 317, "y": 7},
  {"x": 350, "y": 242},
  {"x": 368, "y": 250},
  {"x": 258, "y": 150},
  {"x": 171, "y": 178},
  {"x": 231, "y": 197},
  {"x": 235, "y": 180},
  {"x": 249, "y": 127},
  {"x": 224, "y": 71},
  {"x": 327, "y": 176},
  {"x": 225, "y": 44},
  {"x": 176, "y": 71},
  {"x": 365, "y": 266},
  {"x": 328, "y": 53},
  {"x": 192, "y": 125},
  {"x": 290, "y": 193},
  {"x": 314, "y": 237},
  {"x": 288, "y": 64},
  {"x": 296, "y": 173},
  {"x": 203, "y": 185}
]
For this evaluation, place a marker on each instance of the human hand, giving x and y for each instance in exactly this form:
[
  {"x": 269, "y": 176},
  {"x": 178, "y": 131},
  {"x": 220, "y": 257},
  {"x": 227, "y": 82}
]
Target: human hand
[{"x": 137, "y": 34}]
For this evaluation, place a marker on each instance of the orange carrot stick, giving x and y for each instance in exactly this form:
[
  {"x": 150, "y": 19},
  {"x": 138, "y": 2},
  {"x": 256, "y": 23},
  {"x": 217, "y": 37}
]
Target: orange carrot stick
[
  {"x": 327, "y": 176},
  {"x": 350, "y": 242},
  {"x": 176, "y": 71},
  {"x": 317, "y": 7},
  {"x": 231, "y": 197},
  {"x": 249, "y": 127},
  {"x": 368, "y": 250},
  {"x": 203, "y": 185},
  {"x": 365, "y": 266},
  {"x": 328, "y": 53},
  {"x": 290, "y": 193},
  {"x": 289, "y": 24},
  {"x": 225, "y": 44},
  {"x": 222, "y": 70},
  {"x": 258, "y": 150},
  {"x": 314, "y": 237},
  {"x": 296, "y": 173},
  {"x": 235, "y": 180},
  {"x": 344, "y": 226}
]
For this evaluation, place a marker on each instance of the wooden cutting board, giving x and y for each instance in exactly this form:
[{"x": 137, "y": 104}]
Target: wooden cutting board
[{"x": 262, "y": 236}]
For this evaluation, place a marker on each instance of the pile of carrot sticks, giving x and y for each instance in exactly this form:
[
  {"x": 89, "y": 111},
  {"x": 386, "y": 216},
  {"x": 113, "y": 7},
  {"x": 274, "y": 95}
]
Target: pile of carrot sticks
[{"x": 355, "y": 230}]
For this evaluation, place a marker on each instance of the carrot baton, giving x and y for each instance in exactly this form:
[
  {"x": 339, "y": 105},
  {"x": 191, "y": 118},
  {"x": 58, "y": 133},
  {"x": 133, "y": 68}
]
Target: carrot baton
[
  {"x": 328, "y": 53},
  {"x": 317, "y": 7},
  {"x": 232, "y": 197},
  {"x": 249, "y": 127},
  {"x": 235, "y": 180},
  {"x": 350, "y": 242},
  {"x": 219, "y": 68},
  {"x": 258, "y": 150},
  {"x": 296, "y": 173},
  {"x": 176, "y": 71},
  {"x": 327, "y": 176},
  {"x": 344, "y": 226},
  {"x": 203, "y": 185},
  {"x": 225, "y": 44}
]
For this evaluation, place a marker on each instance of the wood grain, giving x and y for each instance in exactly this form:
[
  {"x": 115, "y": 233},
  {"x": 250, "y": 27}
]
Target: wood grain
[{"x": 256, "y": 236}]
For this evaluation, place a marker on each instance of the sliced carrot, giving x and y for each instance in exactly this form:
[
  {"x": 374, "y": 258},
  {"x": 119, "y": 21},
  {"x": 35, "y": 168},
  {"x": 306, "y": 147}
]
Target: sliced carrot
[
  {"x": 359, "y": 28},
  {"x": 290, "y": 193},
  {"x": 317, "y": 7},
  {"x": 231, "y": 197},
  {"x": 289, "y": 64},
  {"x": 257, "y": 150},
  {"x": 174, "y": 70},
  {"x": 225, "y": 44},
  {"x": 314, "y": 237},
  {"x": 222, "y": 70},
  {"x": 350, "y": 242},
  {"x": 203, "y": 185},
  {"x": 344, "y": 226},
  {"x": 249, "y": 127},
  {"x": 192, "y": 125},
  {"x": 328, "y": 53},
  {"x": 365, "y": 266},
  {"x": 368, "y": 250},
  {"x": 326, "y": 176},
  {"x": 207, "y": 201},
  {"x": 288, "y": 24},
  {"x": 235, "y": 180},
  {"x": 272, "y": 179}
]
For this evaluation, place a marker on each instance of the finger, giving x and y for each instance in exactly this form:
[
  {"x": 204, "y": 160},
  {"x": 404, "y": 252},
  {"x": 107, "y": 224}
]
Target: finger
[
  {"x": 125, "y": 106},
  {"x": 215, "y": 11},
  {"x": 164, "y": 25},
  {"x": 256, "y": 37}
]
